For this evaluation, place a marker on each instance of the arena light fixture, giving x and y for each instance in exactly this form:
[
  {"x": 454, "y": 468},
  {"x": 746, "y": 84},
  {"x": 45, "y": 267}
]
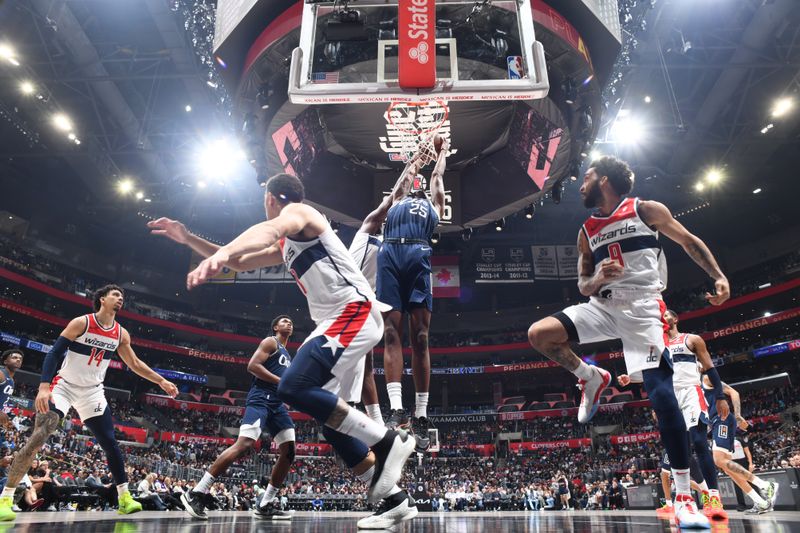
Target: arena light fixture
[
  {"x": 529, "y": 212},
  {"x": 139, "y": 195},
  {"x": 435, "y": 238},
  {"x": 627, "y": 130},
  {"x": 62, "y": 122},
  {"x": 216, "y": 158},
  {"x": 647, "y": 99},
  {"x": 756, "y": 191},
  {"x": 595, "y": 154},
  {"x": 27, "y": 87},
  {"x": 7, "y": 52},
  {"x": 125, "y": 185},
  {"x": 699, "y": 186},
  {"x": 201, "y": 184},
  {"x": 500, "y": 224},
  {"x": 71, "y": 136},
  {"x": 188, "y": 108},
  {"x": 714, "y": 176},
  {"x": 782, "y": 106}
]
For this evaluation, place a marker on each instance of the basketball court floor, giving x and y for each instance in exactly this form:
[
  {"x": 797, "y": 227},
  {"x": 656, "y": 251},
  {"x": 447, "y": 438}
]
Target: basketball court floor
[{"x": 331, "y": 522}]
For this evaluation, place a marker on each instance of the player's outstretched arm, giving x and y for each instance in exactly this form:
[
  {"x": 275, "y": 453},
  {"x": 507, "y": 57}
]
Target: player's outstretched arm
[
  {"x": 261, "y": 238},
  {"x": 373, "y": 221},
  {"x": 256, "y": 364},
  {"x": 127, "y": 354},
  {"x": 437, "y": 178},
  {"x": 175, "y": 230},
  {"x": 736, "y": 400},
  {"x": 658, "y": 216}
]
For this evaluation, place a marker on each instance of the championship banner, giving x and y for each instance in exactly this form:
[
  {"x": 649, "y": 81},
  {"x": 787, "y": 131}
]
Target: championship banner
[
  {"x": 635, "y": 437},
  {"x": 570, "y": 443},
  {"x": 445, "y": 276},
  {"x": 567, "y": 256},
  {"x": 545, "y": 262},
  {"x": 504, "y": 264}
]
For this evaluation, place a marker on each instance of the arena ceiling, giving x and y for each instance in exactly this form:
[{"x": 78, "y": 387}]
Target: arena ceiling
[{"x": 124, "y": 73}]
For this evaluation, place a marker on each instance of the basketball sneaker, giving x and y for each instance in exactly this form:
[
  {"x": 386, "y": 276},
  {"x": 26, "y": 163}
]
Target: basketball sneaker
[
  {"x": 666, "y": 511},
  {"x": 771, "y": 492},
  {"x": 393, "y": 510},
  {"x": 397, "y": 419},
  {"x": 592, "y": 389},
  {"x": 193, "y": 503},
  {"x": 391, "y": 454},
  {"x": 271, "y": 511},
  {"x": 420, "y": 426},
  {"x": 713, "y": 507},
  {"x": 686, "y": 514},
  {"x": 127, "y": 505},
  {"x": 6, "y": 513},
  {"x": 759, "y": 509}
]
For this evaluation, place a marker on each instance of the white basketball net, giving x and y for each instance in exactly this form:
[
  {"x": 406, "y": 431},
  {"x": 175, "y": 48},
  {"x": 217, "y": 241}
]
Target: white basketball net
[{"x": 411, "y": 128}]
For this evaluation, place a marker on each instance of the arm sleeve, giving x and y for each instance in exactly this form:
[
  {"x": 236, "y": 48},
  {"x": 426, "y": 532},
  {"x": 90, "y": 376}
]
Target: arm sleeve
[
  {"x": 713, "y": 375},
  {"x": 54, "y": 358}
]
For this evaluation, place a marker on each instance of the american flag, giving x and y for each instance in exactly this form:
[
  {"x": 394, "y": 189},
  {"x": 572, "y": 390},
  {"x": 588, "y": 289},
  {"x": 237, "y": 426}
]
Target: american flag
[{"x": 325, "y": 77}]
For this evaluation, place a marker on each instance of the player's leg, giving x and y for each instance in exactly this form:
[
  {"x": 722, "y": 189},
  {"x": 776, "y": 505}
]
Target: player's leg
[
  {"x": 102, "y": 427},
  {"x": 369, "y": 391},
  {"x": 388, "y": 290},
  {"x": 352, "y": 433},
  {"x": 421, "y": 368},
  {"x": 249, "y": 432},
  {"x": 666, "y": 485},
  {"x": 44, "y": 426},
  {"x": 281, "y": 427},
  {"x": 582, "y": 323}
]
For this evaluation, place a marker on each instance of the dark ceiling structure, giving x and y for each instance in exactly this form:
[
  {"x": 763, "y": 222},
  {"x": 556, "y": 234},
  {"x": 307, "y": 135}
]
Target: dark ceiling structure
[{"x": 700, "y": 86}]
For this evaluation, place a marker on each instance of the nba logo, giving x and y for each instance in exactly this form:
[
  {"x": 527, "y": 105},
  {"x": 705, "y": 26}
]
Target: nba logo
[{"x": 515, "y": 71}]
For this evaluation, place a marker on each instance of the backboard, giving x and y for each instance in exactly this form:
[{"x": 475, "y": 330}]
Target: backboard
[{"x": 371, "y": 51}]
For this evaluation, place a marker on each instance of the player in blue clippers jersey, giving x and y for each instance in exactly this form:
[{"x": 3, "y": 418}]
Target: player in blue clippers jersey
[
  {"x": 263, "y": 410},
  {"x": 11, "y": 361},
  {"x": 404, "y": 282},
  {"x": 723, "y": 435}
]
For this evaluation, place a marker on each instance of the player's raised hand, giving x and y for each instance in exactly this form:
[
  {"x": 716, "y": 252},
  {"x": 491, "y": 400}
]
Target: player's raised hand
[
  {"x": 624, "y": 380},
  {"x": 43, "y": 400},
  {"x": 168, "y": 387},
  {"x": 722, "y": 291},
  {"x": 169, "y": 228},
  {"x": 608, "y": 270},
  {"x": 207, "y": 269}
]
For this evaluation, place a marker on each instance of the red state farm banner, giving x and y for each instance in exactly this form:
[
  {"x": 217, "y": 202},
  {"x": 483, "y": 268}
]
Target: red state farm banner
[
  {"x": 416, "y": 22},
  {"x": 445, "y": 275},
  {"x": 570, "y": 443},
  {"x": 634, "y": 437}
]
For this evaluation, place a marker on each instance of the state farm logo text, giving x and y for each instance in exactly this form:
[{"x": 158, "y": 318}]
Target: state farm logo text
[{"x": 419, "y": 29}]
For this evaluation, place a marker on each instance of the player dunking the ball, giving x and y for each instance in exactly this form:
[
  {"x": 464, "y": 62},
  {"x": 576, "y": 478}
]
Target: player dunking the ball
[
  {"x": 76, "y": 365},
  {"x": 404, "y": 282},
  {"x": 329, "y": 364},
  {"x": 623, "y": 271}
]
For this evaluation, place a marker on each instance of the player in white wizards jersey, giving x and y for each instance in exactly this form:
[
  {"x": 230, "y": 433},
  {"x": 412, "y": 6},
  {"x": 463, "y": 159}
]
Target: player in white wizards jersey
[
  {"x": 72, "y": 376},
  {"x": 621, "y": 270},
  {"x": 329, "y": 365},
  {"x": 690, "y": 356}
]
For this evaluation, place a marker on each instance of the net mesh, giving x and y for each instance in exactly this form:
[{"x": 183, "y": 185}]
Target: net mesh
[{"x": 415, "y": 126}]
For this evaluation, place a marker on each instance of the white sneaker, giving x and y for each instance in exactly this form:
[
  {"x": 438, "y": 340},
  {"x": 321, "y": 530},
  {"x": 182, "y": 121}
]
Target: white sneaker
[
  {"x": 592, "y": 389},
  {"x": 771, "y": 492},
  {"x": 687, "y": 516},
  {"x": 391, "y": 454},
  {"x": 392, "y": 511}
]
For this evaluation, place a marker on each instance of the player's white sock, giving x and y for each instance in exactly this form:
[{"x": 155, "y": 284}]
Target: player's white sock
[
  {"x": 395, "y": 391},
  {"x": 756, "y": 497},
  {"x": 374, "y": 412},
  {"x": 703, "y": 486},
  {"x": 668, "y": 502},
  {"x": 366, "y": 476},
  {"x": 584, "y": 372},
  {"x": 760, "y": 483},
  {"x": 8, "y": 492},
  {"x": 360, "y": 426},
  {"x": 268, "y": 495},
  {"x": 421, "y": 406},
  {"x": 122, "y": 488},
  {"x": 204, "y": 485},
  {"x": 683, "y": 484}
]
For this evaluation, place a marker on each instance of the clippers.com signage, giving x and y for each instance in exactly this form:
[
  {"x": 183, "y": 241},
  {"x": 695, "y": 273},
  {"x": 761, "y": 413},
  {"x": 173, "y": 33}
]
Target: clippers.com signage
[{"x": 417, "y": 25}]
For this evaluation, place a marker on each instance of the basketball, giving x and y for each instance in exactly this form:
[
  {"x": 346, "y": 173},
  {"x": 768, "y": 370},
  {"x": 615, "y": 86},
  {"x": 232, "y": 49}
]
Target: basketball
[{"x": 438, "y": 142}]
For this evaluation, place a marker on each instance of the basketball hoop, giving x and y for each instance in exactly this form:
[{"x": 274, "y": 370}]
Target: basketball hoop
[{"x": 415, "y": 125}]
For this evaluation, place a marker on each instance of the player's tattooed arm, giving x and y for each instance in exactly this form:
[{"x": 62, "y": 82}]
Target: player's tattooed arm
[
  {"x": 736, "y": 400},
  {"x": 44, "y": 426},
  {"x": 659, "y": 217},
  {"x": 591, "y": 279},
  {"x": 437, "y": 178}
]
